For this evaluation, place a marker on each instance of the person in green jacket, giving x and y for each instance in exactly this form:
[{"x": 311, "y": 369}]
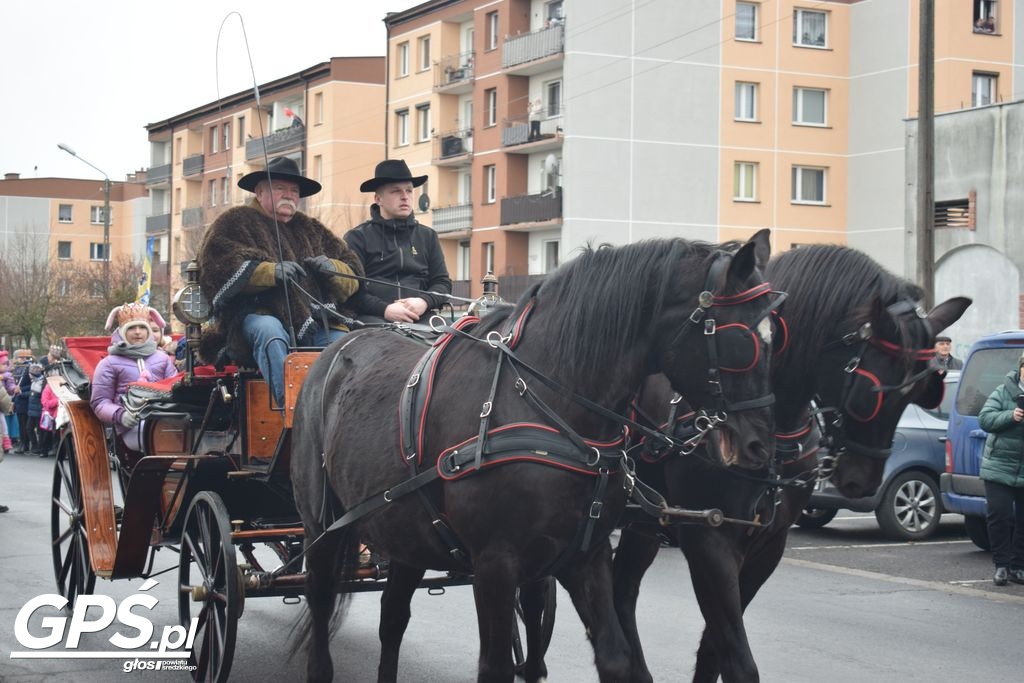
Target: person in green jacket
[{"x": 1002, "y": 469}]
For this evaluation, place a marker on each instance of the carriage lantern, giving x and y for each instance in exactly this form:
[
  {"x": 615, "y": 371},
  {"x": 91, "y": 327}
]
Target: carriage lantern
[
  {"x": 192, "y": 308},
  {"x": 489, "y": 299}
]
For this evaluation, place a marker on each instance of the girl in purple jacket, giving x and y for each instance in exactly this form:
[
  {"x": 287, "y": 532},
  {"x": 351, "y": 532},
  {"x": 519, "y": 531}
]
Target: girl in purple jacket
[{"x": 133, "y": 356}]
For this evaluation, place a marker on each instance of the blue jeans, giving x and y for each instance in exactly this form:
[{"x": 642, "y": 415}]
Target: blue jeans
[{"x": 269, "y": 343}]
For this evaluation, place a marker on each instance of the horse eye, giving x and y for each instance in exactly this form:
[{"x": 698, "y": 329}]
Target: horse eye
[{"x": 764, "y": 328}]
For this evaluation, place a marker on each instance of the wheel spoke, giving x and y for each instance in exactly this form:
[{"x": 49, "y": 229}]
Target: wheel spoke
[
  {"x": 63, "y": 467},
  {"x": 64, "y": 536},
  {"x": 59, "y": 503},
  {"x": 197, "y": 555},
  {"x": 66, "y": 565}
]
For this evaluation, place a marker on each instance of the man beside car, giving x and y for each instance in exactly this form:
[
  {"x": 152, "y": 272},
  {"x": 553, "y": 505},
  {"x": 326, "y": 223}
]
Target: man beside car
[
  {"x": 944, "y": 358},
  {"x": 1002, "y": 470}
]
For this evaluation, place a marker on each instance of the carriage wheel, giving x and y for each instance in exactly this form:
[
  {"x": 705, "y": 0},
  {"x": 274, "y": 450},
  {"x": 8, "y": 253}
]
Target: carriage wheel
[
  {"x": 208, "y": 578},
  {"x": 70, "y": 542}
]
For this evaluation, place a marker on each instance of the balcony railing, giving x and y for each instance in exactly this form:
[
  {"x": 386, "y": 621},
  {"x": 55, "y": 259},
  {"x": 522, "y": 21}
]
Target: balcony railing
[
  {"x": 519, "y": 130},
  {"x": 157, "y": 224},
  {"x": 511, "y": 287},
  {"x": 192, "y": 217},
  {"x": 453, "y": 70},
  {"x": 192, "y": 165},
  {"x": 158, "y": 174},
  {"x": 532, "y": 208},
  {"x": 532, "y": 46},
  {"x": 453, "y": 218},
  {"x": 453, "y": 144},
  {"x": 282, "y": 141}
]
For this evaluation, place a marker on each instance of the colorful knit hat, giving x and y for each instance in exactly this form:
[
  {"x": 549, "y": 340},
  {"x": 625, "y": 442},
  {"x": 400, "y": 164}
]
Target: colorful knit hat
[{"x": 133, "y": 312}]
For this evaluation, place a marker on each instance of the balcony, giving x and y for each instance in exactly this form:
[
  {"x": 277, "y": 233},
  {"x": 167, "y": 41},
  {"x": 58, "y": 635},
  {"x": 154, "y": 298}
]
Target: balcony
[
  {"x": 192, "y": 165},
  {"x": 453, "y": 75},
  {"x": 532, "y": 208},
  {"x": 535, "y": 52},
  {"x": 528, "y": 136},
  {"x": 457, "y": 218},
  {"x": 454, "y": 148},
  {"x": 158, "y": 224},
  {"x": 192, "y": 217},
  {"x": 158, "y": 175},
  {"x": 284, "y": 140}
]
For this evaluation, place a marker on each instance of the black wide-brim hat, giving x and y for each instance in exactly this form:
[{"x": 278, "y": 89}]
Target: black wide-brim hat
[
  {"x": 283, "y": 168},
  {"x": 391, "y": 171}
]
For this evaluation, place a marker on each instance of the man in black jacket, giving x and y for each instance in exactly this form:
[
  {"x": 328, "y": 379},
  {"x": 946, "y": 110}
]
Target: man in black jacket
[{"x": 395, "y": 248}]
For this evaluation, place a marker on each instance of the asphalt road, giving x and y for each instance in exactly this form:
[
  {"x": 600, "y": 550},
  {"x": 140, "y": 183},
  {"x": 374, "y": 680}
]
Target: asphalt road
[{"x": 845, "y": 605}]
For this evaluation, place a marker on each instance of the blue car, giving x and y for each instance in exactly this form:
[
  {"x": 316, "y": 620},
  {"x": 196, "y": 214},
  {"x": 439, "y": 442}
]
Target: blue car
[
  {"x": 963, "y": 491},
  {"x": 907, "y": 504}
]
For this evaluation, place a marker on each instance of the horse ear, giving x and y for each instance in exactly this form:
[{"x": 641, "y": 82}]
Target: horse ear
[
  {"x": 753, "y": 254},
  {"x": 947, "y": 313}
]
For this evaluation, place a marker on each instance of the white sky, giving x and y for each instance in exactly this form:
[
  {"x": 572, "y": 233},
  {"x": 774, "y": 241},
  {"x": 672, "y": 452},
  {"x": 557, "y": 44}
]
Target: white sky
[{"x": 93, "y": 74}]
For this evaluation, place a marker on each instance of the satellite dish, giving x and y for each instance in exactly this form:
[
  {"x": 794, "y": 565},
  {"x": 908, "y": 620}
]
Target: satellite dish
[
  {"x": 424, "y": 202},
  {"x": 551, "y": 164}
]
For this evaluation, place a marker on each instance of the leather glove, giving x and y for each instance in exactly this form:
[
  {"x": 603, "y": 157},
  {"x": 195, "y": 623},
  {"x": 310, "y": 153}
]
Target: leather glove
[
  {"x": 128, "y": 419},
  {"x": 322, "y": 265},
  {"x": 288, "y": 270}
]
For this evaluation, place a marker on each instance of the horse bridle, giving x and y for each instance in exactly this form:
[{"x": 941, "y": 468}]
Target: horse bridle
[{"x": 832, "y": 419}]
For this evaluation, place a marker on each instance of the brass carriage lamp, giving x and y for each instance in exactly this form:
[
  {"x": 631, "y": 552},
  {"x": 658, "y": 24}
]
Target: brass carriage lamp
[
  {"x": 489, "y": 299},
  {"x": 192, "y": 308}
]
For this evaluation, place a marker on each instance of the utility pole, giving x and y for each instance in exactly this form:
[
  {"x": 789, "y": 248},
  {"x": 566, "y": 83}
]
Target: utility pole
[{"x": 926, "y": 152}]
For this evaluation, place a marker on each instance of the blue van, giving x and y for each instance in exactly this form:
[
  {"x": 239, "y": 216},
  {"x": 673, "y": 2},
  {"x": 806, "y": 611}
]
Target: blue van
[{"x": 963, "y": 491}]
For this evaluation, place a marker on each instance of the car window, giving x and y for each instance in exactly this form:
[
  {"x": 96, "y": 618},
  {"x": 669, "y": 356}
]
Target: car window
[
  {"x": 984, "y": 372},
  {"x": 942, "y": 412}
]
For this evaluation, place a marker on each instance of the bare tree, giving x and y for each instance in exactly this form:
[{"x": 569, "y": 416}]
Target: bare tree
[
  {"x": 78, "y": 306},
  {"x": 24, "y": 288}
]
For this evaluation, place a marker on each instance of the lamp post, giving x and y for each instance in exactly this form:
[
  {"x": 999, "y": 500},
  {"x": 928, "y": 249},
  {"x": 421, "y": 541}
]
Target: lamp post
[{"x": 106, "y": 219}]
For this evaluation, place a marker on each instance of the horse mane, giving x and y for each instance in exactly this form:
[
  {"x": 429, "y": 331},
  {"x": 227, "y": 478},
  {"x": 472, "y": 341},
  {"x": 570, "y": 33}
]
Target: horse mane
[
  {"x": 832, "y": 290},
  {"x": 604, "y": 297}
]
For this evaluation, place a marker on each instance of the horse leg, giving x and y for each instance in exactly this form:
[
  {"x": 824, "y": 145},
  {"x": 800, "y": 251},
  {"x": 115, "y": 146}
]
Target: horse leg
[
  {"x": 394, "y": 615},
  {"x": 589, "y": 583},
  {"x": 323, "y": 563},
  {"x": 494, "y": 590},
  {"x": 633, "y": 557},
  {"x": 538, "y": 602},
  {"x": 715, "y": 560}
]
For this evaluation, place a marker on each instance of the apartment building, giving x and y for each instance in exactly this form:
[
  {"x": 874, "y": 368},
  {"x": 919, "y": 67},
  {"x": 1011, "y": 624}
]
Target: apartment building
[
  {"x": 326, "y": 117},
  {"x": 61, "y": 219},
  {"x": 545, "y": 125}
]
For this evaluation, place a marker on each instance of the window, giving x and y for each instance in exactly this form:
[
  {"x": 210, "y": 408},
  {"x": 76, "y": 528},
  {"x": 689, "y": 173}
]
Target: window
[
  {"x": 746, "y": 21},
  {"x": 64, "y": 213},
  {"x": 809, "y": 28},
  {"x": 808, "y": 185},
  {"x": 424, "y": 50},
  {"x": 550, "y": 261},
  {"x": 402, "y": 127},
  {"x": 553, "y": 90},
  {"x": 241, "y": 131},
  {"x": 492, "y": 30},
  {"x": 96, "y": 289},
  {"x": 491, "y": 102},
  {"x": 554, "y": 11},
  {"x": 809, "y": 106},
  {"x": 63, "y": 287},
  {"x": 318, "y": 168},
  {"x": 423, "y": 122},
  {"x": 213, "y": 192},
  {"x": 213, "y": 139},
  {"x": 225, "y": 138},
  {"x": 225, "y": 191},
  {"x": 96, "y": 215},
  {"x": 462, "y": 260},
  {"x": 744, "y": 181},
  {"x": 402, "y": 60},
  {"x": 96, "y": 251},
  {"x": 746, "y": 101},
  {"x": 983, "y": 89},
  {"x": 985, "y": 16},
  {"x": 491, "y": 184},
  {"x": 64, "y": 250},
  {"x": 318, "y": 108},
  {"x": 488, "y": 256}
]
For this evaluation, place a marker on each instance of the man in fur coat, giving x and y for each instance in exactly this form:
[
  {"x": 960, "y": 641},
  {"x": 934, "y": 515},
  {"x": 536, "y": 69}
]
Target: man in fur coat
[{"x": 244, "y": 269}]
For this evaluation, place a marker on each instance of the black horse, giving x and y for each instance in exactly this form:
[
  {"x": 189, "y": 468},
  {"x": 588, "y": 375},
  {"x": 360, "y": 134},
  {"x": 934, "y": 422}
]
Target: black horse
[
  {"x": 851, "y": 337},
  {"x": 598, "y": 326}
]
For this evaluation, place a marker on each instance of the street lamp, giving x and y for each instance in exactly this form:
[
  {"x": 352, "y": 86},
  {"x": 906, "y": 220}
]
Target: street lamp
[{"x": 106, "y": 218}]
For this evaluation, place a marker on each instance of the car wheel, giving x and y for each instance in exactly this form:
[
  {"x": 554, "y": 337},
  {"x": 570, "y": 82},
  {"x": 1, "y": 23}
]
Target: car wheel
[
  {"x": 910, "y": 508},
  {"x": 977, "y": 531},
  {"x": 815, "y": 518}
]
